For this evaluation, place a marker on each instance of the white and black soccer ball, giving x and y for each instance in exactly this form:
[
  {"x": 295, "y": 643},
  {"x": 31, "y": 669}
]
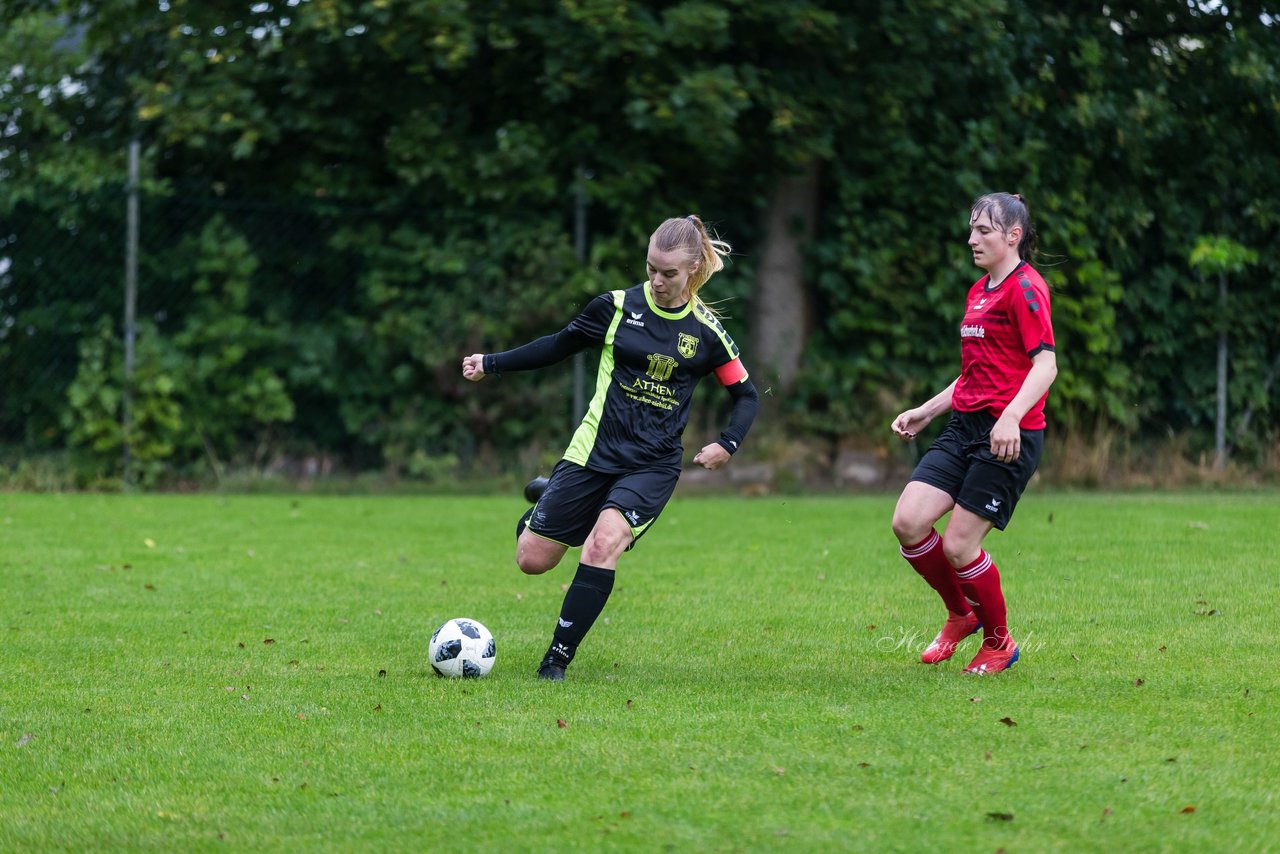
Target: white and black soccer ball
[{"x": 462, "y": 647}]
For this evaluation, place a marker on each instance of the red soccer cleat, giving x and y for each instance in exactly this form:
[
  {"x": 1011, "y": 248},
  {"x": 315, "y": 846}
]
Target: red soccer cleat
[
  {"x": 993, "y": 660},
  {"x": 954, "y": 630}
]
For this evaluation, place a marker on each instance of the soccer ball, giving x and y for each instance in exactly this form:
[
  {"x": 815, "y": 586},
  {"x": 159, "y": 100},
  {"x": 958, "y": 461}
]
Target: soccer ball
[{"x": 462, "y": 647}]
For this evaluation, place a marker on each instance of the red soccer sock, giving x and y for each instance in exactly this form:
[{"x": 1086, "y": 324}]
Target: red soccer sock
[
  {"x": 980, "y": 582},
  {"x": 926, "y": 558}
]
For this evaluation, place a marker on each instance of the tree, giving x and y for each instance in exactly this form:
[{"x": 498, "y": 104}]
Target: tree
[{"x": 1221, "y": 256}]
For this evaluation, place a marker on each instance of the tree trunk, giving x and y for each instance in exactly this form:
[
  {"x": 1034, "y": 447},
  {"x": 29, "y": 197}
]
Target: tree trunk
[{"x": 782, "y": 312}]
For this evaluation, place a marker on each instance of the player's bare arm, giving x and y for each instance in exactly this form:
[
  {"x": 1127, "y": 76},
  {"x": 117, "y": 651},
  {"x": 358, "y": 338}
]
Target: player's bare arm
[
  {"x": 1006, "y": 436},
  {"x": 912, "y": 421}
]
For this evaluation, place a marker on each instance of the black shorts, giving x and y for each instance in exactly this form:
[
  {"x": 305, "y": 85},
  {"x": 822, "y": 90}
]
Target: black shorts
[
  {"x": 575, "y": 497},
  {"x": 960, "y": 463}
]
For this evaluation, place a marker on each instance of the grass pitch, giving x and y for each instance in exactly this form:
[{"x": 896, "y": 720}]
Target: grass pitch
[{"x": 197, "y": 672}]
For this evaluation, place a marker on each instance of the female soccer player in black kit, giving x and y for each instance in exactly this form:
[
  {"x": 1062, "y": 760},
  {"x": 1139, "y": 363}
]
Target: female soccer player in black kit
[
  {"x": 984, "y": 457},
  {"x": 657, "y": 340}
]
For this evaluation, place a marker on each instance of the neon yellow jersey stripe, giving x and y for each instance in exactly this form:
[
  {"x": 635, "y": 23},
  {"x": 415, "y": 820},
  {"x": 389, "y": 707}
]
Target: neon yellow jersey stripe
[
  {"x": 584, "y": 438},
  {"x": 706, "y": 318}
]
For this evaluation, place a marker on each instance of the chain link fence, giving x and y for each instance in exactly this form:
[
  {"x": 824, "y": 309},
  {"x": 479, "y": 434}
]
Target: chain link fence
[{"x": 261, "y": 331}]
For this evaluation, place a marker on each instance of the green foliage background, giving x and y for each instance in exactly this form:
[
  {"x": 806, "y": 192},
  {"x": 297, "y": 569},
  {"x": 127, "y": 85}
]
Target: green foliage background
[{"x": 343, "y": 197}]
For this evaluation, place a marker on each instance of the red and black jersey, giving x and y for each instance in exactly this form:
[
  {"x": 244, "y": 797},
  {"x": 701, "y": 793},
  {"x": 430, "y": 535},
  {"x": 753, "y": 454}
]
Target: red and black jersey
[{"x": 1005, "y": 325}]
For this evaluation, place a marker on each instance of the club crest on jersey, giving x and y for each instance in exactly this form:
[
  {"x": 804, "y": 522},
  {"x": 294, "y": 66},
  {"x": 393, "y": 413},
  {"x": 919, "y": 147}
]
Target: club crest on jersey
[
  {"x": 687, "y": 345},
  {"x": 661, "y": 366}
]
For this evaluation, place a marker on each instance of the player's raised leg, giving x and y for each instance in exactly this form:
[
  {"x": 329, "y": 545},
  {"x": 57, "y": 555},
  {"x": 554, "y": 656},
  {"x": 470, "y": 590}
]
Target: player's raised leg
[{"x": 536, "y": 555}]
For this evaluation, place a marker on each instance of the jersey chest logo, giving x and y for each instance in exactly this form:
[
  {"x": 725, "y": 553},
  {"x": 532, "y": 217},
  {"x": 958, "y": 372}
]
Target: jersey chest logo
[
  {"x": 661, "y": 366},
  {"x": 687, "y": 345}
]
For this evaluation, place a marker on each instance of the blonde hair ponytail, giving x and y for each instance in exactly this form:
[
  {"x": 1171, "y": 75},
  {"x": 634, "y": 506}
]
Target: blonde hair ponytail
[{"x": 689, "y": 235}]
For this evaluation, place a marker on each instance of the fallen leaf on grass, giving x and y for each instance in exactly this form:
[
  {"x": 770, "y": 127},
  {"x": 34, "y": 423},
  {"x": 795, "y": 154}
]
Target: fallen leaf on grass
[
  {"x": 1105, "y": 812},
  {"x": 149, "y": 543},
  {"x": 1000, "y": 816},
  {"x": 864, "y": 764},
  {"x": 1189, "y": 808},
  {"x": 25, "y": 739},
  {"x": 382, "y": 674},
  {"x": 1138, "y": 683},
  {"x": 975, "y": 699},
  {"x": 269, "y": 641},
  {"x": 781, "y": 772},
  {"x": 1008, "y": 722},
  {"x": 560, "y": 722},
  {"x": 628, "y": 704},
  {"x": 149, "y": 586},
  {"x": 378, "y": 708}
]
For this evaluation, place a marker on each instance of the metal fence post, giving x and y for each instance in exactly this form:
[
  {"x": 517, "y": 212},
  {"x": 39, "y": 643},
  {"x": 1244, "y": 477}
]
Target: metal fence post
[
  {"x": 130, "y": 311},
  {"x": 580, "y": 250}
]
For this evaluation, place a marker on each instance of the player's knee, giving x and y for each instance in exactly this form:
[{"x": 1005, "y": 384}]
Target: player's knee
[
  {"x": 959, "y": 551},
  {"x": 909, "y": 528},
  {"x": 602, "y": 548},
  {"x": 534, "y": 564},
  {"x": 535, "y": 556}
]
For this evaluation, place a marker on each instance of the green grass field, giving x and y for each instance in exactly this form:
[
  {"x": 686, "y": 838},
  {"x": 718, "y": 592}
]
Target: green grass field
[{"x": 198, "y": 672}]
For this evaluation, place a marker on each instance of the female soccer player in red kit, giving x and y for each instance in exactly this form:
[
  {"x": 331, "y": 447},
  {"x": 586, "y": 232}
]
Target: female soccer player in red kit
[{"x": 984, "y": 457}]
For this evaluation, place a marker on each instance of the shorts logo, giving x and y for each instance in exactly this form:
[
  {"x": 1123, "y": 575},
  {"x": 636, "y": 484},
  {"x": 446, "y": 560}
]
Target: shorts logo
[
  {"x": 687, "y": 345},
  {"x": 632, "y": 516},
  {"x": 994, "y": 505}
]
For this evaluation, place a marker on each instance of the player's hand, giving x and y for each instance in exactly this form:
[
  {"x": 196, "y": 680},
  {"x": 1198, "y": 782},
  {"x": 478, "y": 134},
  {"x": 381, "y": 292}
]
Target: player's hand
[
  {"x": 909, "y": 423},
  {"x": 473, "y": 367},
  {"x": 712, "y": 456},
  {"x": 1006, "y": 440}
]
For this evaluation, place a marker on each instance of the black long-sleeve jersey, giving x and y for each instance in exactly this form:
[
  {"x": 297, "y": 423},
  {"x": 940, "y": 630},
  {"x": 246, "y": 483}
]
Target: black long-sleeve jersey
[{"x": 651, "y": 359}]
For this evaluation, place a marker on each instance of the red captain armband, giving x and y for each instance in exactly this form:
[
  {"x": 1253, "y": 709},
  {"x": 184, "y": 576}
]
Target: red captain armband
[{"x": 731, "y": 372}]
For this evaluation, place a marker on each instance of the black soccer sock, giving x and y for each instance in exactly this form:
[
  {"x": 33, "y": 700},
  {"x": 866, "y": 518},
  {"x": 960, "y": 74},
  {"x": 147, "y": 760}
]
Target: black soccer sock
[
  {"x": 582, "y": 604},
  {"x": 523, "y": 523}
]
